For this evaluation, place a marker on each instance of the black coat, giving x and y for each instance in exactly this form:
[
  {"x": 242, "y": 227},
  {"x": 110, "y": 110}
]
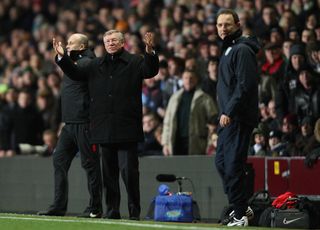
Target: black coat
[
  {"x": 237, "y": 87},
  {"x": 75, "y": 94},
  {"x": 115, "y": 84}
]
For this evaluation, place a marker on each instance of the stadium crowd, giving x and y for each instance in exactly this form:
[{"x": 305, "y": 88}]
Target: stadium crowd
[{"x": 189, "y": 50}]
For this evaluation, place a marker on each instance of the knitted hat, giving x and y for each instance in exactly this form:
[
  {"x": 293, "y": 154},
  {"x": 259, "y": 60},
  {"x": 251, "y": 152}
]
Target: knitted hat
[
  {"x": 297, "y": 49},
  {"x": 275, "y": 133}
]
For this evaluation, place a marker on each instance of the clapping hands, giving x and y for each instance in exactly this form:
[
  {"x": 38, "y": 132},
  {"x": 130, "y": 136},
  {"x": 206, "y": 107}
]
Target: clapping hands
[{"x": 57, "y": 46}]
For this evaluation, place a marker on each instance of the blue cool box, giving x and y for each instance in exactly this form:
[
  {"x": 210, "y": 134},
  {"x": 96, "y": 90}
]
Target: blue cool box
[{"x": 174, "y": 208}]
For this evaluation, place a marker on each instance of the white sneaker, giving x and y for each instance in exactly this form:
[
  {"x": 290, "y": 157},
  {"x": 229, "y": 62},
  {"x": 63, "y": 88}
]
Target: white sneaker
[
  {"x": 249, "y": 213},
  {"x": 242, "y": 222}
]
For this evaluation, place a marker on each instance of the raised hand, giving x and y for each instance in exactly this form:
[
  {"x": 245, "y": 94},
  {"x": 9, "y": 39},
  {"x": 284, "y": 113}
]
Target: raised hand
[
  {"x": 148, "y": 40},
  {"x": 57, "y": 46}
]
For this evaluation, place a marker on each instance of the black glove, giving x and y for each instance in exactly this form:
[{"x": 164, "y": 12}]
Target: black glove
[{"x": 312, "y": 157}]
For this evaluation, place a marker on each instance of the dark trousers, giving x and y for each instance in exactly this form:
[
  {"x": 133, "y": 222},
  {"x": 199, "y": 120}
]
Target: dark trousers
[
  {"x": 231, "y": 157},
  {"x": 121, "y": 157},
  {"x": 181, "y": 146},
  {"x": 73, "y": 139}
]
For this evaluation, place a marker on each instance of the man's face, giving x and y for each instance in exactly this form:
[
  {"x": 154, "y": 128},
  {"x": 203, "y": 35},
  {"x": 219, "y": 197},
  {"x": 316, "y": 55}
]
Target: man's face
[
  {"x": 286, "y": 48},
  {"x": 74, "y": 44},
  {"x": 297, "y": 60},
  {"x": 148, "y": 123},
  {"x": 306, "y": 36},
  {"x": 268, "y": 15},
  {"x": 226, "y": 25},
  {"x": 113, "y": 43},
  {"x": 189, "y": 81}
]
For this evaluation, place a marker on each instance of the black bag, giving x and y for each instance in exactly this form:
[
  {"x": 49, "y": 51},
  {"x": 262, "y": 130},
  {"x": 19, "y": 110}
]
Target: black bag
[
  {"x": 259, "y": 202},
  {"x": 304, "y": 215},
  {"x": 290, "y": 218}
]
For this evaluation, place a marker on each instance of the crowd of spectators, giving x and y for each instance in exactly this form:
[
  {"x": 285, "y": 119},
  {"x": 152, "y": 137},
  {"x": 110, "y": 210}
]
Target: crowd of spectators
[{"x": 289, "y": 61}]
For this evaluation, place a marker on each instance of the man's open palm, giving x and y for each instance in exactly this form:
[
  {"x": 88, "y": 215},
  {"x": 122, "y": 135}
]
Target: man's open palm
[{"x": 57, "y": 46}]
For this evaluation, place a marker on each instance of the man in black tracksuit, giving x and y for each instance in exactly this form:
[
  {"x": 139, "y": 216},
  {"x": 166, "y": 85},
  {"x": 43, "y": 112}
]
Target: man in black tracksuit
[
  {"x": 115, "y": 86},
  {"x": 237, "y": 91},
  {"x": 74, "y": 136}
]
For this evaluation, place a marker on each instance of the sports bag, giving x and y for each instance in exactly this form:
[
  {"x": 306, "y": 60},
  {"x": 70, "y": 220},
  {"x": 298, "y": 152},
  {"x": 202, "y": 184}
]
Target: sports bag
[
  {"x": 290, "y": 218},
  {"x": 173, "y": 208},
  {"x": 291, "y": 211}
]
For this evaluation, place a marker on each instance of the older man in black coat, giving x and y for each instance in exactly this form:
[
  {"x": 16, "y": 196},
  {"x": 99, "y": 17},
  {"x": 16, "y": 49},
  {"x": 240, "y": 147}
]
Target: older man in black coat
[{"x": 115, "y": 82}]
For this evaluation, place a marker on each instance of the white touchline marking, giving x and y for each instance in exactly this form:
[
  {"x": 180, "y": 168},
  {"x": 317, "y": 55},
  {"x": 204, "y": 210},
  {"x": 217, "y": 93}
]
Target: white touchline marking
[{"x": 113, "y": 223}]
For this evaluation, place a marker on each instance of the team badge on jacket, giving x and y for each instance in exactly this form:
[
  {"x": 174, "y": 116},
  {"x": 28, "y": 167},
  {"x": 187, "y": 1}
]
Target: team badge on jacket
[{"x": 228, "y": 51}]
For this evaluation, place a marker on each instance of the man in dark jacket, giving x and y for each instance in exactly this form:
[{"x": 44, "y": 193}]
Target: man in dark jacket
[
  {"x": 74, "y": 136},
  {"x": 115, "y": 82},
  {"x": 237, "y": 91}
]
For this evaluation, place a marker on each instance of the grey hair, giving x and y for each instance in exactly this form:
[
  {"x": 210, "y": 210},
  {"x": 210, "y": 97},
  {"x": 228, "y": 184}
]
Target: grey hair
[{"x": 109, "y": 32}]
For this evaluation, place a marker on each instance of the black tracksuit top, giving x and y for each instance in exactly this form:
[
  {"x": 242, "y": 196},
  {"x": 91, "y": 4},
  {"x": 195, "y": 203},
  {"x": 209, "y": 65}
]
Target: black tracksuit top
[
  {"x": 75, "y": 94},
  {"x": 237, "y": 86}
]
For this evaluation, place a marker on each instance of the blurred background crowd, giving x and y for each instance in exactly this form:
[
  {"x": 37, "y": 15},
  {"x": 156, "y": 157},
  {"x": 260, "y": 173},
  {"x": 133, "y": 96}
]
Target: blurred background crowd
[{"x": 189, "y": 50}]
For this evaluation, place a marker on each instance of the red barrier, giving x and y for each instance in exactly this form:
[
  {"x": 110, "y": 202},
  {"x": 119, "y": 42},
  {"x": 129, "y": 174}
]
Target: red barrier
[
  {"x": 258, "y": 164},
  {"x": 281, "y": 174}
]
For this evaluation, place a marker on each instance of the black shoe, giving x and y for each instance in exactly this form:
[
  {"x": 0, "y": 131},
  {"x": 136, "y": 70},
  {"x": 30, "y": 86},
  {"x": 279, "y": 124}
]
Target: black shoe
[
  {"x": 51, "y": 212},
  {"x": 113, "y": 215},
  {"x": 91, "y": 215},
  {"x": 134, "y": 218}
]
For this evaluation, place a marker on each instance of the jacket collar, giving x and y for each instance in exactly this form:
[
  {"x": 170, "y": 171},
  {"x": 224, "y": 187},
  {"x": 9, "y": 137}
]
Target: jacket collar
[
  {"x": 75, "y": 55},
  {"x": 122, "y": 55},
  {"x": 231, "y": 39}
]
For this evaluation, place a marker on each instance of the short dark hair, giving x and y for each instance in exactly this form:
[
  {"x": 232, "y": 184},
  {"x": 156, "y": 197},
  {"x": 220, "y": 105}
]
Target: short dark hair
[{"x": 229, "y": 11}]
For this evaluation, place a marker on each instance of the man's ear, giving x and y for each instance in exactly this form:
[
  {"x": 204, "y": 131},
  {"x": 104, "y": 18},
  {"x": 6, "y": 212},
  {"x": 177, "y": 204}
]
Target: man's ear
[
  {"x": 238, "y": 24},
  {"x": 82, "y": 47}
]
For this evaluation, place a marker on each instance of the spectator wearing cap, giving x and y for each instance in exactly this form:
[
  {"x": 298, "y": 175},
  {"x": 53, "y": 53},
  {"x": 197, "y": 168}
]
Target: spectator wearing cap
[
  {"x": 276, "y": 147},
  {"x": 287, "y": 86},
  {"x": 259, "y": 146},
  {"x": 307, "y": 94},
  {"x": 304, "y": 138}
]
